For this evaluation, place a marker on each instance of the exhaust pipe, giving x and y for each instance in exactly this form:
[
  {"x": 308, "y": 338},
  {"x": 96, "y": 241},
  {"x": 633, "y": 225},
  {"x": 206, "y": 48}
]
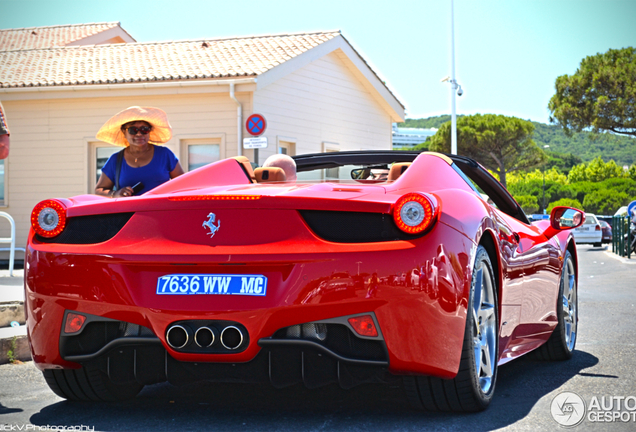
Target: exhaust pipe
[
  {"x": 178, "y": 336},
  {"x": 231, "y": 337},
  {"x": 205, "y": 337}
]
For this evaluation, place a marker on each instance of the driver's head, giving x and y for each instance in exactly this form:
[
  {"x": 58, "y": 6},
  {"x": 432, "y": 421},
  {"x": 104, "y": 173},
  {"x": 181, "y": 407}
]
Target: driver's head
[{"x": 282, "y": 161}]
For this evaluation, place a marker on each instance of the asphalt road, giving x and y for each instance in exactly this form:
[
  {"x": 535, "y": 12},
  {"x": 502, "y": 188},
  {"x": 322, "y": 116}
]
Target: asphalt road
[{"x": 604, "y": 364}]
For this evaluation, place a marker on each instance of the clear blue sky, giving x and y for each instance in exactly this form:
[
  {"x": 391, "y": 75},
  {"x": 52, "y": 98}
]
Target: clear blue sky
[{"x": 508, "y": 52}]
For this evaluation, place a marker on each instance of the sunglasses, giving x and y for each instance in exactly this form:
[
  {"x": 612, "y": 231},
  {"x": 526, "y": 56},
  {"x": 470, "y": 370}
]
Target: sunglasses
[{"x": 145, "y": 130}]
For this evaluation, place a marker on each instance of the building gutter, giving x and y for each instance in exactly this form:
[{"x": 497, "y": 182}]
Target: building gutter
[
  {"x": 239, "y": 120},
  {"x": 124, "y": 86}
]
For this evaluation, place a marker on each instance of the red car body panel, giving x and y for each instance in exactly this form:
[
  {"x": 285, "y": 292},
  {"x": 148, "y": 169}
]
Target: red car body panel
[{"x": 263, "y": 233}]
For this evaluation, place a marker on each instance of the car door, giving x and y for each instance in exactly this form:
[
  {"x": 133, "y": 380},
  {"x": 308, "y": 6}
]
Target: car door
[{"x": 530, "y": 285}]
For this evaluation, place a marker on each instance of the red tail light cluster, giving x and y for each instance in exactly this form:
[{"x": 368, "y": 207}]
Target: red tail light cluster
[
  {"x": 74, "y": 322},
  {"x": 48, "y": 218},
  {"x": 364, "y": 325},
  {"x": 414, "y": 213}
]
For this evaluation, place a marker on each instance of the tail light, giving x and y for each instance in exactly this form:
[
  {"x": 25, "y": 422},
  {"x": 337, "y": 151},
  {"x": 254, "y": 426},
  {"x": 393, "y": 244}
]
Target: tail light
[
  {"x": 74, "y": 322},
  {"x": 364, "y": 325},
  {"x": 415, "y": 213},
  {"x": 598, "y": 228},
  {"x": 48, "y": 218}
]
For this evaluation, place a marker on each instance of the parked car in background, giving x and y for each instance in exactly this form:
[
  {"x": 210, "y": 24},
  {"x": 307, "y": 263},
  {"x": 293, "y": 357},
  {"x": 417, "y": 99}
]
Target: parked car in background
[
  {"x": 590, "y": 232},
  {"x": 606, "y": 230}
]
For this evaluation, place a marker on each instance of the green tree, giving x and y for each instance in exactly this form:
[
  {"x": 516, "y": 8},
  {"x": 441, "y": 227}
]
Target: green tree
[
  {"x": 577, "y": 174},
  {"x": 605, "y": 201},
  {"x": 597, "y": 170},
  {"x": 563, "y": 161},
  {"x": 567, "y": 202},
  {"x": 528, "y": 203},
  {"x": 500, "y": 143},
  {"x": 601, "y": 94}
]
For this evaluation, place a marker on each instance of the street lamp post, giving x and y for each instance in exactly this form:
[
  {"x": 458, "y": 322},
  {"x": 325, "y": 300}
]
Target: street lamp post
[
  {"x": 543, "y": 200},
  {"x": 455, "y": 87}
]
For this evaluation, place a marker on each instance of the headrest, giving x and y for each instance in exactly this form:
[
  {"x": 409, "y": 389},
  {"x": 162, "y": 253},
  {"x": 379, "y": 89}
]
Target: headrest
[
  {"x": 397, "y": 169},
  {"x": 269, "y": 174},
  {"x": 247, "y": 166}
]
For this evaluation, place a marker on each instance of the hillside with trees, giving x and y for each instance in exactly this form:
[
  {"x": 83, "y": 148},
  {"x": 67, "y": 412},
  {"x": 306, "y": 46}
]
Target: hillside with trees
[{"x": 581, "y": 146}]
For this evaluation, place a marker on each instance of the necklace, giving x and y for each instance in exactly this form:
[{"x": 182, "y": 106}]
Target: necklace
[{"x": 142, "y": 153}]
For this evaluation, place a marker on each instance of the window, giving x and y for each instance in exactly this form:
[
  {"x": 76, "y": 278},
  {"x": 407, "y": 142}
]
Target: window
[
  {"x": 99, "y": 152},
  {"x": 202, "y": 154},
  {"x": 286, "y": 145},
  {"x": 198, "y": 152}
]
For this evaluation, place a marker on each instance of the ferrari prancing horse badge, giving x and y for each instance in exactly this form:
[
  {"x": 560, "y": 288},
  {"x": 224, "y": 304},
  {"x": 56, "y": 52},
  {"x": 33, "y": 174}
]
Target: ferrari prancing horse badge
[{"x": 210, "y": 224}]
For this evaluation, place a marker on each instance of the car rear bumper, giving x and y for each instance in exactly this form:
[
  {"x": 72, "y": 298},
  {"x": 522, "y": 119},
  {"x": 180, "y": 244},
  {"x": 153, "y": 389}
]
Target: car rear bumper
[{"x": 421, "y": 326}]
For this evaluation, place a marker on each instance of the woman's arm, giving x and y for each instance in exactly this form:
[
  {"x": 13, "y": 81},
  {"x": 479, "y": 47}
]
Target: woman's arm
[
  {"x": 177, "y": 171},
  {"x": 105, "y": 186}
]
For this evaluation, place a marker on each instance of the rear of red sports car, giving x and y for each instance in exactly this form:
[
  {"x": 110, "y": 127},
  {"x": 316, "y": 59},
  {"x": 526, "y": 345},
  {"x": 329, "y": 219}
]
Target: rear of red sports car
[{"x": 214, "y": 277}]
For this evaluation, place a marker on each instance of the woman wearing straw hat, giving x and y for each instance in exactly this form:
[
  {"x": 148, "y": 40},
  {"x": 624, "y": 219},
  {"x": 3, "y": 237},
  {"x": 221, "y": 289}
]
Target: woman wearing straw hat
[{"x": 141, "y": 162}]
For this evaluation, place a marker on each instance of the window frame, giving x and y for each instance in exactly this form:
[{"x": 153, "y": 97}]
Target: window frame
[
  {"x": 92, "y": 162},
  {"x": 185, "y": 141},
  {"x": 286, "y": 142}
]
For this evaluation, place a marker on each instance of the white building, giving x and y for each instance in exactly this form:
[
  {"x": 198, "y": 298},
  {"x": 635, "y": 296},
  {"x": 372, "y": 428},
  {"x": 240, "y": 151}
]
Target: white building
[{"x": 410, "y": 137}]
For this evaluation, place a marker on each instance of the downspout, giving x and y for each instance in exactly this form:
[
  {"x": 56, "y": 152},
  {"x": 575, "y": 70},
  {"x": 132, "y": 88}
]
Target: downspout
[{"x": 239, "y": 116}]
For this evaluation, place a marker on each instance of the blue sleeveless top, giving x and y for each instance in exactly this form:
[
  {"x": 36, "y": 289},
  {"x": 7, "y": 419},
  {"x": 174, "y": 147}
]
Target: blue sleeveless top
[{"x": 152, "y": 175}]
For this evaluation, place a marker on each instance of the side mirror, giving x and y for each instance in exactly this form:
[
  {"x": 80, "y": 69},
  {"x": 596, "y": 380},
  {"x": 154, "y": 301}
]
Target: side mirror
[{"x": 563, "y": 218}]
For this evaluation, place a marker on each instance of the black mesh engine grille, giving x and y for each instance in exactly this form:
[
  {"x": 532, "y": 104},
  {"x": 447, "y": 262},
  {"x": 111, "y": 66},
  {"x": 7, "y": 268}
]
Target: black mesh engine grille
[
  {"x": 342, "y": 341},
  {"x": 89, "y": 229},
  {"x": 353, "y": 227}
]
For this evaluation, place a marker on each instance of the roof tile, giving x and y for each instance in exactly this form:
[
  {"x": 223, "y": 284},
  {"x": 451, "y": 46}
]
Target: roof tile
[
  {"x": 49, "y": 37},
  {"x": 134, "y": 62}
]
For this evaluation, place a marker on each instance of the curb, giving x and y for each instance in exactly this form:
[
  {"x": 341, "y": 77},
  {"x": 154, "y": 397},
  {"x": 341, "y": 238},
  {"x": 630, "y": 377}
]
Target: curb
[
  {"x": 18, "y": 343},
  {"x": 11, "y": 311}
]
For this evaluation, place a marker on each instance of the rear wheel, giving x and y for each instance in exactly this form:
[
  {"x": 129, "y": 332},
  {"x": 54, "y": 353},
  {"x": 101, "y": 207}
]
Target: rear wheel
[
  {"x": 561, "y": 344},
  {"x": 88, "y": 384},
  {"x": 473, "y": 387}
]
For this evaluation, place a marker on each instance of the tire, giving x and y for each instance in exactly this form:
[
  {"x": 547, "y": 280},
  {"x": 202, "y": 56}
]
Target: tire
[
  {"x": 561, "y": 344},
  {"x": 88, "y": 384},
  {"x": 597, "y": 244},
  {"x": 473, "y": 387}
]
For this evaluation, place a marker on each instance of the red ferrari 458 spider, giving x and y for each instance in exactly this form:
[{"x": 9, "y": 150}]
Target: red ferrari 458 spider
[{"x": 370, "y": 267}]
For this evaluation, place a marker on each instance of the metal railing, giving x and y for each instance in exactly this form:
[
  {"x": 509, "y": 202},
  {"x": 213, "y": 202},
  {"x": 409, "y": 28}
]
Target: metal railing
[
  {"x": 11, "y": 241},
  {"x": 621, "y": 236}
]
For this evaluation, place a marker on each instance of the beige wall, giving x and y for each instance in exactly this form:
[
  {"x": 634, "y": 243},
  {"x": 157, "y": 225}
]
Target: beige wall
[{"x": 322, "y": 102}]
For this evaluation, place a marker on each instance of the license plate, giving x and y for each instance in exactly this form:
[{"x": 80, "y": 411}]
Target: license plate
[{"x": 184, "y": 284}]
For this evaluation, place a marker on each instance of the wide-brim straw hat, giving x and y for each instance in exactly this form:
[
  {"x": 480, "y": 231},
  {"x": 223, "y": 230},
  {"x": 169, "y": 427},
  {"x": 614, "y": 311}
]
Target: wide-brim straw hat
[{"x": 161, "y": 131}]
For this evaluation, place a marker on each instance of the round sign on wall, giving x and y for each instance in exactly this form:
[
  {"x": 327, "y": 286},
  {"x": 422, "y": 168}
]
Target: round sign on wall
[{"x": 255, "y": 124}]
